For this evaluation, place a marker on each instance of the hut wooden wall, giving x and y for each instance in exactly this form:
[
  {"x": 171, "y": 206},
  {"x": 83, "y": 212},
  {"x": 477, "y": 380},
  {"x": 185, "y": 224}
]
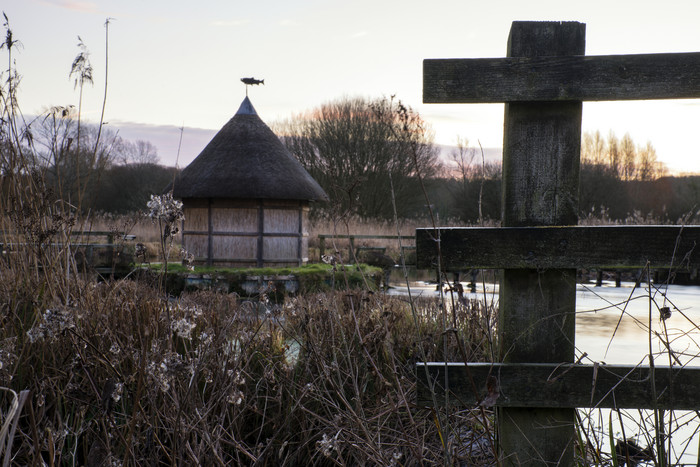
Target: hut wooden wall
[
  {"x": 195, "y": 238},
  {"x": 246, "y": 233}
]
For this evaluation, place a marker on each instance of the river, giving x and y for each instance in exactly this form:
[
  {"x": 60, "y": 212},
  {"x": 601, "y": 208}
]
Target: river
[{"x": 612, "y": 326}]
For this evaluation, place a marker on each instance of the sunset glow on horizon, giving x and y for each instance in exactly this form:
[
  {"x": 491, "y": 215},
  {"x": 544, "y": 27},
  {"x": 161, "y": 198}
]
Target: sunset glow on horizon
[{"x": 175, "y": 64}]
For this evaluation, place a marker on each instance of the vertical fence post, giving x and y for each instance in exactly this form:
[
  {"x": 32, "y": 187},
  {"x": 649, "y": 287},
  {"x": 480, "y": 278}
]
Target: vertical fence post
[
  {"x": 541, "y": 150},
  {"x": 352, "y": 250}
]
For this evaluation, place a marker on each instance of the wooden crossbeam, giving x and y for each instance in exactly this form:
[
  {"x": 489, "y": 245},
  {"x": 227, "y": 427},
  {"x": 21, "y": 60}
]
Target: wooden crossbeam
[
  {"x": 550, "y": 385},
  {"x": 609, "y": 247},
  {"x": 562, "y": 78}
]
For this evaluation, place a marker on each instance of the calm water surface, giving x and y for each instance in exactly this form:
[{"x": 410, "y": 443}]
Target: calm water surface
[
  {"x": 621, "y": 325},
  {"x": 613, "y": 324}
]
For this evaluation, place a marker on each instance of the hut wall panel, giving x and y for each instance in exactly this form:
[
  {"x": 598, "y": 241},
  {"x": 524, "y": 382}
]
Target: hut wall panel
[
  {"x": 280, "y": 248},
  {"x": 196, "y": 219},
  {"x": 234, "y": 220},
  {"x": 305, "y": 234},
  {"x": 225, "y": 247},
  {"x": 197, "y": 245},
  {"x": 305, "y": 249},
  {"x": 305, "y": 222},
  {"x": 235, "y": 203},
  {"x": 228, "y": 216},
  {"x": 277, "y": 203},
  {"x": 281, "y": 220}
]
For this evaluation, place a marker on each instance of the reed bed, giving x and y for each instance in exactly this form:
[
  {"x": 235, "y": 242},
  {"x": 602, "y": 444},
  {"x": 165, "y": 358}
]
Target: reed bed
[{"x": 118, "y": 376}]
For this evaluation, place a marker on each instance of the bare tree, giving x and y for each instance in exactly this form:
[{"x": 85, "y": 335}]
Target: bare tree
[
  {"x": 464, "y": 158},
  {"x": 136, "y": 152},
  {"x": 648, "y": 165},
  {"x": 70, "y": 154},
  {"x": 614, "y": 154},
  {"x": 629, "y": 157},
  {"x": 356, "y": 147},
  {"x": 475, "y": 189}
]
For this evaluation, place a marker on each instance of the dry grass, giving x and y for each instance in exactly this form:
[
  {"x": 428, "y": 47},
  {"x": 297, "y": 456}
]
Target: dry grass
[
  {"x": 121, "y": 376},
  {"x": 137, "y": 224}
]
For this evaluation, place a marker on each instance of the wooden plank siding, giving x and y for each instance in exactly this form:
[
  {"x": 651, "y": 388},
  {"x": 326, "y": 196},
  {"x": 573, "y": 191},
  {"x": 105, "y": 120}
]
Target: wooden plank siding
[{"x": 246, "y": 233}]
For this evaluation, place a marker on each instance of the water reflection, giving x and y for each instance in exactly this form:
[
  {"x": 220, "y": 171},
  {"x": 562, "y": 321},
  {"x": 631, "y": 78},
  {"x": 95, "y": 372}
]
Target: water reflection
[
  {"x": 616, "y": 325},
  {"x": 613, "y": 324},
  {"x": 619, "y": 325}
]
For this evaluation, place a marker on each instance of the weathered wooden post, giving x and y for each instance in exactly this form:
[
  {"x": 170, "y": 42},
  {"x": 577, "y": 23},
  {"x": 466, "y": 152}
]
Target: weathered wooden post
[
  {"x": 541, "y": 147},
  {"x": 543, "y": 82}
]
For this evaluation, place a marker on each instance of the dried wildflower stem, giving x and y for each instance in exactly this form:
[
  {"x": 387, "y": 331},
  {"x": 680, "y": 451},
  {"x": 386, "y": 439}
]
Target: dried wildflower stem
[{"x": 403, "y": 116}]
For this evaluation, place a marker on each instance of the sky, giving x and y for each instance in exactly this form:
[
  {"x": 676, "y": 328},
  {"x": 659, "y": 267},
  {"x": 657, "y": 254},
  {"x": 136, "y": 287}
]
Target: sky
[{"x": 178, "y": 63}]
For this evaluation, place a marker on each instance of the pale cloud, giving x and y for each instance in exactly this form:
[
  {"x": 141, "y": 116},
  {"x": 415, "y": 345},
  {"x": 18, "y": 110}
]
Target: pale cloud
[
  {"x": 288, "y": 22},
  {"x": 74, "y": 5},
  {"x": 167, "y": 139},
  {"x": 359, "y": 34}
]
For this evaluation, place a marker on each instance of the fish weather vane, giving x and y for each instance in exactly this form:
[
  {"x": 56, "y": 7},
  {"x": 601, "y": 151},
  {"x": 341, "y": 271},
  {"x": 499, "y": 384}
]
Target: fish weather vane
[{"x": 251, "y": 82}]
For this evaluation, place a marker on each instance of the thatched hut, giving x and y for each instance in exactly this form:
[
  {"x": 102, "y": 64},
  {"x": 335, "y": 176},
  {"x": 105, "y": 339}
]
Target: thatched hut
[{"x": 246, "y": 198}]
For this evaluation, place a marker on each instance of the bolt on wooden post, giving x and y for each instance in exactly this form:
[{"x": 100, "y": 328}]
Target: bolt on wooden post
[{"x": 544, "y": 80}]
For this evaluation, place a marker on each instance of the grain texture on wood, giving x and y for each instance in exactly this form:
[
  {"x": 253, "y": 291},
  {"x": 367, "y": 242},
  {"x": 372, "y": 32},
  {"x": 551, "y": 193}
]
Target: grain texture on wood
[
  {"x": 609, "y": 247},
  {"x": 569, "y": 78},
  {"x": 557, "y": 386},
  {"x": 541, "y": 145}
]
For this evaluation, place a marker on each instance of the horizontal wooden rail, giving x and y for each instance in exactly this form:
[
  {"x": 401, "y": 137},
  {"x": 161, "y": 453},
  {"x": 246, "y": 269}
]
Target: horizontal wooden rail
[
  {"x": 562, "y": 78},
  {"x": 242, "y": 234},
  {"x": 558, "y": 385},
  {"x": 365, "y": 237},
  {"x": 608, "y": 247},
  {"x": 92, "y": 233},
  {"x": 322, "y": 240}
]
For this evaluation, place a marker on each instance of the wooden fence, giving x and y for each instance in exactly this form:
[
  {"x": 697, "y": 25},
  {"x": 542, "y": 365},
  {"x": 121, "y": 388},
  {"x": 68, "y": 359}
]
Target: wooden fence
[
  {"x": 355, "y": 250},
  {"x": 538, "y": 385},
  {"x": 86, "y": 251}
]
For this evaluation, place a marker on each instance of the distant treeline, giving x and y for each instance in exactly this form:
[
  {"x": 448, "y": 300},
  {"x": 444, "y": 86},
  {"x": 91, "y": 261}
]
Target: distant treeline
[
  {"x": 601, "y": 197},
  {"x": 91, "y": 168},
  {"x": 127, "y": 188},
  {"x": 464, "y": 190},
  {"x": 620, "y": 181},
  {"x": 374, "y": 158}
]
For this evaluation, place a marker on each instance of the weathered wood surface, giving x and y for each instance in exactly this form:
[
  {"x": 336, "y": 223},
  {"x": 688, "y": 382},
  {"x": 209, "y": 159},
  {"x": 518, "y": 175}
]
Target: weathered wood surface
[
  {"x": 559, "y": 386},
  {"x": 541, "y": 146},
  {"x": 609, "y": 247},
  {"x": 563, "y": 78}
]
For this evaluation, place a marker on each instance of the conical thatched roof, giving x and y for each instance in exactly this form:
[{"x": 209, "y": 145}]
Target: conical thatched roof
[{"x": 246, "y": 160}]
